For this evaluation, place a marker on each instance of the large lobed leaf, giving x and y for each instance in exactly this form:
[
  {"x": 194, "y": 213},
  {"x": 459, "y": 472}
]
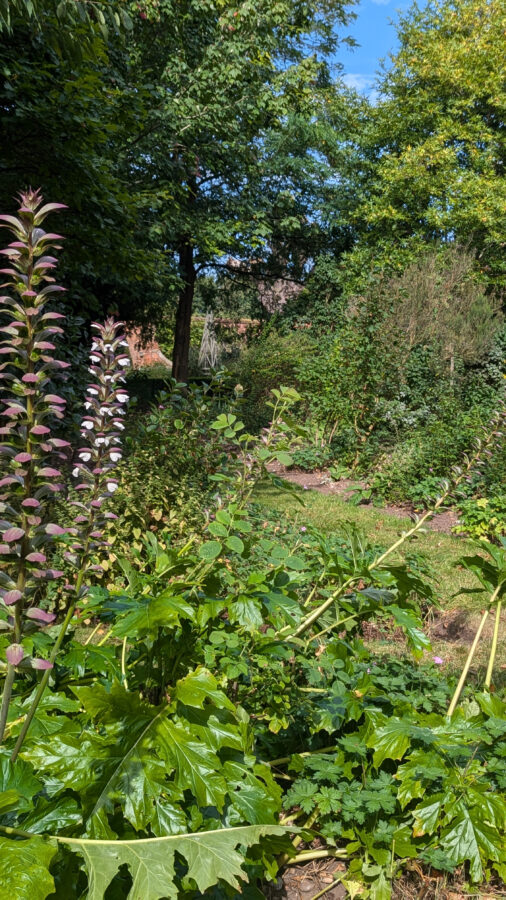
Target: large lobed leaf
[{"x": 211, "y": 857}]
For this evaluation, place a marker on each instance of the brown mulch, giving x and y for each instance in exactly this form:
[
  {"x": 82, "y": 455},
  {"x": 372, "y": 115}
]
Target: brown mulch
[
  {"x": 303, "y": 881},
  {"x": 306, "y": 881},
  {"x": 322, "y": 482}
]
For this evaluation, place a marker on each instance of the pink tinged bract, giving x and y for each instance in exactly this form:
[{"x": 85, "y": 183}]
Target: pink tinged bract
[
  {"x": 12, "y": 535},
  {"x": 36, "y": 557},
  {"x": 41, "y": 664},
  {"x": 30, "y": 503},
  {"x": 23, "y": 457},
  {"x": 11, "y": 597},
  {"x": 40, "y": 615},
  {"x": 53, "y": 529},
  {"x": 40, "y": 430},
  {"x": 14, "y": 654}
]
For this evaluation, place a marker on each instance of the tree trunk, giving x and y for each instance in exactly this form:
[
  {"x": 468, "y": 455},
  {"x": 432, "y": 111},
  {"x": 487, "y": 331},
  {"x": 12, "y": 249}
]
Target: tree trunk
[{"x": 181, "y": 351}]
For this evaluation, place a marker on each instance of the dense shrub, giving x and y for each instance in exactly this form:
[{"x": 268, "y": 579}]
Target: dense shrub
[
  {"x": 269, "y": 361},
  {"x": 172, "y": 452}
]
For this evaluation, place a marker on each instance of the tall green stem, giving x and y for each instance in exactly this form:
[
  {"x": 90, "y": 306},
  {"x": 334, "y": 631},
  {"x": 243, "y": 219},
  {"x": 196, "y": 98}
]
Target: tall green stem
[
  {"x": 493, "y": 649},
  {"x": 470, "y": 655}
]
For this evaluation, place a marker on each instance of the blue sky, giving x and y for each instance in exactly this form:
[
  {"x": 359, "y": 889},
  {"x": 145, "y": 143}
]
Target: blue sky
[{"x": 372, "y": 29}]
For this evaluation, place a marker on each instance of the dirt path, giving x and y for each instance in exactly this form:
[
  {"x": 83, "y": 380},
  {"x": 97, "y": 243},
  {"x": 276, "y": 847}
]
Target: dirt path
[{"x": 322, "y": 482}]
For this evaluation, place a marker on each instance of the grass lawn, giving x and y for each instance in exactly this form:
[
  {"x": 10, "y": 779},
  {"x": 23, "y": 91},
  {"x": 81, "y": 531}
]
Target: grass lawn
[{"x": 460, "y": 614}]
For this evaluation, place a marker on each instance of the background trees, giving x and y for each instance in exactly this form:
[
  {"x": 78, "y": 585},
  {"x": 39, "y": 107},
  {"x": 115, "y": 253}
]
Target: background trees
[{"x": 433, "y": 148}]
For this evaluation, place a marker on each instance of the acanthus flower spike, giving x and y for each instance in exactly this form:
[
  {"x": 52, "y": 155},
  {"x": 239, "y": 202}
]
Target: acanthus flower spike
[
  {"x": 96, "y": 459},
  {"x": 25, "y": 338}
]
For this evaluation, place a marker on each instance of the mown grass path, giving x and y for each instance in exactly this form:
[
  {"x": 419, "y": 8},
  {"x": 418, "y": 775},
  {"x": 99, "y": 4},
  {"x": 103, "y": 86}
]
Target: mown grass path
[{"x": 453, "y": 627}]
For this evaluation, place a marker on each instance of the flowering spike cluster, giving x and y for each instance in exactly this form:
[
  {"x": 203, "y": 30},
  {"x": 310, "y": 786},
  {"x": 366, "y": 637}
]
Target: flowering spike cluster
[
  {"x": 27, "y": 411},
  {"x": 101, "y": 430}
]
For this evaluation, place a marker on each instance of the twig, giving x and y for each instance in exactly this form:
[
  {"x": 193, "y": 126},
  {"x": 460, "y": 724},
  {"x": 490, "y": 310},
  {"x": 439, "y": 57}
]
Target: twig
[{"x": 329, "y": 887}]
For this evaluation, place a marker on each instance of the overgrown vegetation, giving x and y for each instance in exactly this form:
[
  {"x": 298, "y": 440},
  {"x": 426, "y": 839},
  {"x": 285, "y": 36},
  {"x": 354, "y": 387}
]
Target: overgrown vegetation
[{"x": 207, "y": 674}]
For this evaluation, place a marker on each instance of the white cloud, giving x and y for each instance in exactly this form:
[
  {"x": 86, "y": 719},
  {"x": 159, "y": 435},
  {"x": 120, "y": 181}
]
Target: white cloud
[
  {"x": 358, "y": 82},
  {"x": 362, "y": 83}
]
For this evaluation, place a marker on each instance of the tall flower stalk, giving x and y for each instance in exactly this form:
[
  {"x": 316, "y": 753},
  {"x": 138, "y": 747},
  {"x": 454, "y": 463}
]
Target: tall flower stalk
[
  {"x": 101, "y": 432},
  {"x": 29, "y": 409},
  {"x": 28, "y": 413}
]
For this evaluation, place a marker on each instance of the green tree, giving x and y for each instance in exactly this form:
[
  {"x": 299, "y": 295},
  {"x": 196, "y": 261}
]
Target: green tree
[
  {"x": 228, "y": 152},
  {"x": 66, "y": 121},
  {"x": 433, "y": 150}
]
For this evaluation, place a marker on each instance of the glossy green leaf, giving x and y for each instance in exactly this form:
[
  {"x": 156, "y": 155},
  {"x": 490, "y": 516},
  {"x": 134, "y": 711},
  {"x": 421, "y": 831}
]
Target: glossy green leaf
[
  {"x": 199, "y": 686},
  {"x": 390, "y": 741},
  {"x": 24, "y": 868}
]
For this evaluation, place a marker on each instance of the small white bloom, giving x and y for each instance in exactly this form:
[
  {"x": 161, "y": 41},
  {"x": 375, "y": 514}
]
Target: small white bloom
[
  {"x": 124, "y": 362},
  {"x": 94, "y": 345},
  {"x": 100, "y": 440},
  {"x": 115, "y": 456},
  {"x": 85, "y": 457},
  {"x": 94, "y": 358},
  {"x": 107, "y": 346},
  {"x": 122, "y": 398},
  {"x": 88, "y": 425},
  {"x": 112, "y": 486},
  {"x": 123, "y": 344},
  {"x": 107, "y": 377},
  {"x": 88, "y": 405},
  {"x": 120, "y": 426},
  {"x": 93, "y": 391},
  {"x": 76, "y": 471}
]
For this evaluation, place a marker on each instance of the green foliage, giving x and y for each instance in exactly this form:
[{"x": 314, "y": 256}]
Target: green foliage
[
  {"x": 172, "y": 452},
  {"x": 270, "y": 360},
  {"x": 430, "y": 166},
  {"x": 409, "y": 785},
  {"x": 483, "y": 517}
]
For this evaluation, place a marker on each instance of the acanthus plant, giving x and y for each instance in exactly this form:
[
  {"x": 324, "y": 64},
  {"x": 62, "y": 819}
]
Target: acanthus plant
[{"x": 29, "y": 453}]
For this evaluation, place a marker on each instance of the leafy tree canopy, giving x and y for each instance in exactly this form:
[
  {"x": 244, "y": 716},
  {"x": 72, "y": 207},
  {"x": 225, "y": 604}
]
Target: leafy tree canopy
[{"x": 433, "y": 149}]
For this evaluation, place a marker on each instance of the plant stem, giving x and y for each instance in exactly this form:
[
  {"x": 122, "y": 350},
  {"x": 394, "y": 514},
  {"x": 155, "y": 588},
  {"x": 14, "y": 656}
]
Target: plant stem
[
  {"x": 493, "y": 649},
  {"x": 285, "y": 759},
  {"x": 44, "y": 680},
  {"x": 123, "y": 666},
  {"x": 315, "y": 615},
  {"x": 308, "y": 855},
  {"x": 6, "y": 829},
  {"x": 465, "y": 670},
  {"x": 331, "y": 627},
  {"x": 6, "y": 699},
  {"x": 92, "y": 635}
]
